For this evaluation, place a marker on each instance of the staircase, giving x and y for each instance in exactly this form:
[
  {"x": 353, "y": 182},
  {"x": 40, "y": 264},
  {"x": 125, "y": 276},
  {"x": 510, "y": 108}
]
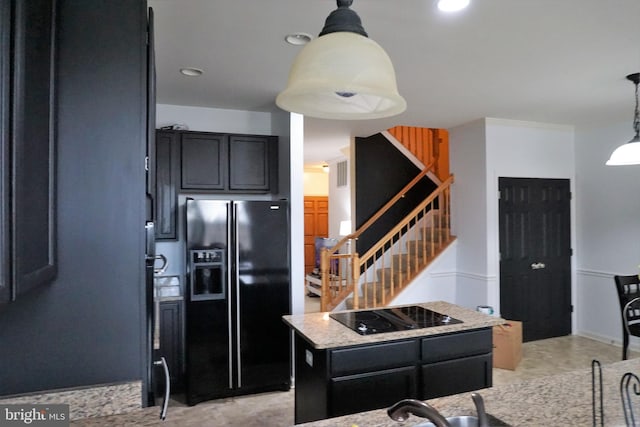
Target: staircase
[
  {"x": 404, "y": 262},
  {"x": 374, "y": 278}
]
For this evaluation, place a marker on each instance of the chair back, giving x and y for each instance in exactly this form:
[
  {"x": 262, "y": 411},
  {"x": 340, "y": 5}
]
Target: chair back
[
  {"x": 628, "y": 288},
  {"x": 629, "y": 295},
  {"x": 631, "y": 316}
]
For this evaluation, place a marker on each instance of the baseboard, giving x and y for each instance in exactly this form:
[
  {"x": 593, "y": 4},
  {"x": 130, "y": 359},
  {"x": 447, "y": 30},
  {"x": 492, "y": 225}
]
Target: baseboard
[{"x": 607, "y": 340}]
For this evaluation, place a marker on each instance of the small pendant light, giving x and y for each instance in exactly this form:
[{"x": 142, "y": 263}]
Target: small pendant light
[
  {"x": 629, "y": 153},
  {"x": 342, "y": 74}
]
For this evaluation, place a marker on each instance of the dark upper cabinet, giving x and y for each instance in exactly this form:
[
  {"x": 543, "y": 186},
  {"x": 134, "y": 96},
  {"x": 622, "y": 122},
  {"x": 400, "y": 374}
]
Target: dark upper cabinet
[
  {"x": 166, "y": 188},
  {"x": 215, "y": 162},
  {"x": 252, "y": 163},
  {"x": 28, "y": 146},
  {"x": 203, "y": 164}
]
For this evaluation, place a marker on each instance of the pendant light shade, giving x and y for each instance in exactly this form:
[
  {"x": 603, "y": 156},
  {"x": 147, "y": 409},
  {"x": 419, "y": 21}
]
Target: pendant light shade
[
  {"x": 626, "y": 154},
  {"x": 342, "y": 74},
  {"x": 629, "y": 153}
]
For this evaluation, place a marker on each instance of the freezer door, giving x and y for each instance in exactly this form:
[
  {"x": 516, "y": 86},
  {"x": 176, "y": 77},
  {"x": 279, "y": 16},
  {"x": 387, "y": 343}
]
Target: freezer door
[
  {"x": 207, "y": 224},
  {"x": 262, "y": 284}
]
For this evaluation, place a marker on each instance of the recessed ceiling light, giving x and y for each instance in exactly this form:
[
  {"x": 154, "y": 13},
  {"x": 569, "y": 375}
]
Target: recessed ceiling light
[
  {"x": 452, "y": 5},
  {"x": 298, "y": 39},
  {"x": 190, "y": 71}
]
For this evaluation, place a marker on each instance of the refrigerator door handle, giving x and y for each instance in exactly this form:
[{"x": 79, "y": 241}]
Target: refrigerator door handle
[
  {"x": 167, "y": 386},
  {"x": 229, "y": 310},
  {"x": 237, "y": 274}
]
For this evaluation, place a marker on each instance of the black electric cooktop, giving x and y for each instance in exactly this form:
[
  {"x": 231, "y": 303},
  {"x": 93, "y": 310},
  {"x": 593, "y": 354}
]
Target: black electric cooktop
[{"x": 366, "y": 322}]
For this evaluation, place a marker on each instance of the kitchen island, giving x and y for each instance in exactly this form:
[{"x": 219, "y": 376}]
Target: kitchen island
[
  {"x": 558, "y": 400},
  {"x": 340, "y": 371}
]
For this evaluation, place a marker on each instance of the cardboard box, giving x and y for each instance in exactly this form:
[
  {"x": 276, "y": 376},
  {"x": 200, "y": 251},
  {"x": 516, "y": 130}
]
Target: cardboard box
[{"x": 507, "y": 345}]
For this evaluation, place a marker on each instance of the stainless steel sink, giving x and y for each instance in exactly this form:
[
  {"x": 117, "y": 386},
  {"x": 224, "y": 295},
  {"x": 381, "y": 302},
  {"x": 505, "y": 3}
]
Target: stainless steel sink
[{"x": 467, "y": 421}]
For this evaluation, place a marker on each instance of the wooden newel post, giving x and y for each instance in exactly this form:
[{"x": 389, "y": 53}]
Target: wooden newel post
[
  {"x": 324, "y": 272},
  {"x": 355, "y": 277}
]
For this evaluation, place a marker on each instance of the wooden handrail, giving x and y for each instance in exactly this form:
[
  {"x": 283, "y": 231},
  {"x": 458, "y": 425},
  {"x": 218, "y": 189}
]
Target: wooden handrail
[
  {"x": 341, "y": 271},
  {"x": 402, "y": 223},
  {"x": 382, "y": 210}
]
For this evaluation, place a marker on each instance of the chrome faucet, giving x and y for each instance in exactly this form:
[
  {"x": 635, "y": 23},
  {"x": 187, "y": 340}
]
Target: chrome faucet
[
  {"x": 400, "y": 412},
  {"x": 483, "y": 419}
]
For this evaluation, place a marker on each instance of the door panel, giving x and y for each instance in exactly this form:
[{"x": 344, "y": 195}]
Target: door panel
[
  {"x": 535, "y": 255},
  {"x": 33, "y": 131},
  {"x": 316, "y": 224}
]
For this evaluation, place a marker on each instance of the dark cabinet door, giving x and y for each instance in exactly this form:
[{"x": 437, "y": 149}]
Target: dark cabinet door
[
  {"x": 203, "y": 165},
  {"x": 166, "y": 191},
  {"x": 251, "y": 162},
  {"x": 216, "y": 162},
  {"x": 33, "y": 148},
  {"x": 171, "y": 343},
  {"x": 368, "y": 391},
  {"x": 456, "y": 376}
]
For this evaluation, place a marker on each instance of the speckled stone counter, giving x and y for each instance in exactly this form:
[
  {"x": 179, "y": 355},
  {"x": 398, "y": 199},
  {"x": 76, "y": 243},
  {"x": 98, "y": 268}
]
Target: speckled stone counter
[
  {"x": 91, "y": 401},
  {"x": 560, "y": 400},
  {"x": 323, "y": 332}
]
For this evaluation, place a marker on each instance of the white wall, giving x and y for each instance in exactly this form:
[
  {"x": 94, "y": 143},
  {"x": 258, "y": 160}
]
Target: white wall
[
  {"x": 213, "y": 119},
  {"x": 316, "y": 182},
  {"x": 523, "y": 150},
  {"x": 297, "y": 212},
  {"x": 339, "y": 197},
  {"x": 607, "y": 228},
  {"x": 467, "y": 154},
  {"x": 481, "y": 152},
  {"x": 436, "y": 283}
]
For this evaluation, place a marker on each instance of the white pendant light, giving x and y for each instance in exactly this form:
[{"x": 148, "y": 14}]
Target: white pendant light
[
  {"x": 629, "y": 153},
  {"x": 342, "y": 74}
]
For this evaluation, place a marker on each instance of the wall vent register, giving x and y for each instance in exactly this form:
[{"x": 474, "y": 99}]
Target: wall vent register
[{"x": 366, "y": 322}]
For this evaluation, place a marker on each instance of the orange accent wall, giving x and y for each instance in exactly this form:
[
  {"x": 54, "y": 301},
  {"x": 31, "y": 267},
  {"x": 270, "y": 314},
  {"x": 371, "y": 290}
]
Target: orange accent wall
[{"x": 427, "y": 144}]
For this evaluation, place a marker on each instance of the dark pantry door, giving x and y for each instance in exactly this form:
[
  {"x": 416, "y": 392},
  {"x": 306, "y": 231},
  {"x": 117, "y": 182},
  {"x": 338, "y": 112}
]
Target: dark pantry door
[{"x": 535, "y": 255}]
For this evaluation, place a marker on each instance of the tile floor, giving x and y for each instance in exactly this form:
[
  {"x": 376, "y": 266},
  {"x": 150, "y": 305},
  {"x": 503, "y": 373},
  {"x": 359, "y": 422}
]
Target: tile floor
[{"x": 540, "y": 358}]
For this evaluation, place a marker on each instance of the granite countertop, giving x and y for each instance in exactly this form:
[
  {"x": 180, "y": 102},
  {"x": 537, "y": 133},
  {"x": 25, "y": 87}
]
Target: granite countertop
[
  {"x": 558, "y": 400},
  {"x": 324, "y": 332}
]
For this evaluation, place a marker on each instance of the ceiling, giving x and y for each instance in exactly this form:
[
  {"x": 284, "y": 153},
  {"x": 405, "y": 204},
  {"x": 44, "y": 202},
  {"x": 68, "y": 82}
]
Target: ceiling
[{"x": 552, "y": 61}]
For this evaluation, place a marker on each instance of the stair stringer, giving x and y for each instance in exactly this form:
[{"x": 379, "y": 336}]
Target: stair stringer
[
  {"x": 409, "y": 155},
  {"x": 384, "y": 262},
  {"x": 437, "y": 282}
]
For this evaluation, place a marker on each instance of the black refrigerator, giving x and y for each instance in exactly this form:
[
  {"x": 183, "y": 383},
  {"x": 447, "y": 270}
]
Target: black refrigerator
[{"x": 238, "y": 273}]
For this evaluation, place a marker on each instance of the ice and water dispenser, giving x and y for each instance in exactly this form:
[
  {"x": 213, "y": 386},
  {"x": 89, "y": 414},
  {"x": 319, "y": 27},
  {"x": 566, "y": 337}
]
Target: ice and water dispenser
[{"x": 207, "y": 269}]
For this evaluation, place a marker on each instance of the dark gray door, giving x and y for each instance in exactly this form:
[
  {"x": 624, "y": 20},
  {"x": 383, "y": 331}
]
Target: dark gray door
[
  {"x": 535, "y": 255},
  {"x": 33, "y": 141}
]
